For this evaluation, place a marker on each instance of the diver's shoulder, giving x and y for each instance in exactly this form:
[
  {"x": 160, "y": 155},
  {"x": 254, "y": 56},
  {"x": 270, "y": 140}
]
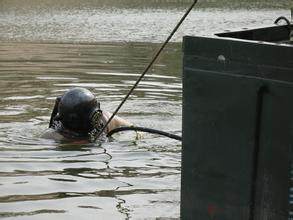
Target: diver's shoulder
[{"x": 116, "y": 121}]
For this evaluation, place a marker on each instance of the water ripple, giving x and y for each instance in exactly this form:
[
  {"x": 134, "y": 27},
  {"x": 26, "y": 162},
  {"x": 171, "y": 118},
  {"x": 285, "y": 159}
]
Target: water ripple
[
  {"x": 37, "y": 212},
  {"x": 61, "y": 195},
  {"x": 111, "y": 179}
]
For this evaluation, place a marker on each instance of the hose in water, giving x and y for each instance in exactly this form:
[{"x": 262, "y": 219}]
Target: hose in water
[{"x": 143, "y": 129}]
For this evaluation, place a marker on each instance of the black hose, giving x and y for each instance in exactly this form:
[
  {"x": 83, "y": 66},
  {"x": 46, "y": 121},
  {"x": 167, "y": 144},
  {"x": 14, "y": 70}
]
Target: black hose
[
  {"x": 149, "y": 130},
  {"x": 282, "y": 18},
  {"x": 54, "y": 112}
]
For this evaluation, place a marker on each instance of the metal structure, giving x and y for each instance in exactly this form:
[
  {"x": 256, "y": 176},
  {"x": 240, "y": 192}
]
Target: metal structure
[{"x": 237, "y": 125}]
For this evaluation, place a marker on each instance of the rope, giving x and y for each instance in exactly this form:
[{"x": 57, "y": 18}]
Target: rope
[
  {"x": 147, "y": 68},
  {"x": 149, "y": 130}
]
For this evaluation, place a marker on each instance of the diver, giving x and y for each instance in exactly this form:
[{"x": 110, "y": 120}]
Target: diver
[{"x": 77, "y": 115}]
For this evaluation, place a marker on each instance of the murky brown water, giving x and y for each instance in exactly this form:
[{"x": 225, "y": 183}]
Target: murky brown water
[
  {"x": 114, "y": 180},
  {"x": 46, "y": 49}
]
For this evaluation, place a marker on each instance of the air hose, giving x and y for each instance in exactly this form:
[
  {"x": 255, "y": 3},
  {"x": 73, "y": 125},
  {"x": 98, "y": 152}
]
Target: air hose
[{"x": 143, "y": 129}]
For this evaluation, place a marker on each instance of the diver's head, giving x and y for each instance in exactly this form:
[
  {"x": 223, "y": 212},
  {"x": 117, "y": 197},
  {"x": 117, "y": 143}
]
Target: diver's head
[{"x": 75, "y": 109}]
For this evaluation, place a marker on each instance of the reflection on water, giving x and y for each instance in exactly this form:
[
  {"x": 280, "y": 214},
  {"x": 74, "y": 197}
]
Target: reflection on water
[
  {"x": 114, "y": 180},
  {"x": 120, "y": 179},
  {"x": 108, "y": 21},
  {"x": 70, "y": 4}
]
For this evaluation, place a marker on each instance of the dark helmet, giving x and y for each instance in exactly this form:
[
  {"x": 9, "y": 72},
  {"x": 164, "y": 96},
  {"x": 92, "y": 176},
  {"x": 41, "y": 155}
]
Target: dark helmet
[{"x": 75, "y": 109}]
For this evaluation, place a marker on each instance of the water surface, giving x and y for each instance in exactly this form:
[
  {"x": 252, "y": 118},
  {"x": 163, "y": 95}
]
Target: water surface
[
  {"x": 112, "y": 180},
  {"x": 124, "y": 21},
  {"x": 49, "y": 47}
]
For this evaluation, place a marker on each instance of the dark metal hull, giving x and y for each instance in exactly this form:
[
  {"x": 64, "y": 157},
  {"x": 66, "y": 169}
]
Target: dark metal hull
[{"x": 237, "y": 126}]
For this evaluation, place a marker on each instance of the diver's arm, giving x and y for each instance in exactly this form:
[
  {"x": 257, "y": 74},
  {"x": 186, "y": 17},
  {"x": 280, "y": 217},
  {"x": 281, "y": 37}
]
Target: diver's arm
[{"x": 115, "y": 122}]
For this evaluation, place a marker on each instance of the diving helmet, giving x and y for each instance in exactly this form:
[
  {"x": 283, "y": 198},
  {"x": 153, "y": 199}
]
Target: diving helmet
[{"x": 75, "y": 110}]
